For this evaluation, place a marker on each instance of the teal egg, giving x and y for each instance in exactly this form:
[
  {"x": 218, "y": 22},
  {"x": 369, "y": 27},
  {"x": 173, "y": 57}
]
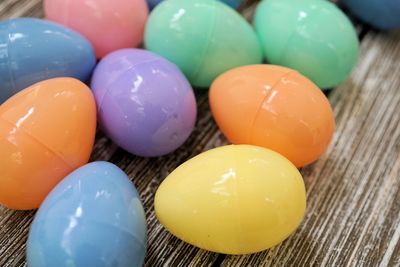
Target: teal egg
[
  {"x": 313, "y": 37},
  {"x": 204, "y": 38}
]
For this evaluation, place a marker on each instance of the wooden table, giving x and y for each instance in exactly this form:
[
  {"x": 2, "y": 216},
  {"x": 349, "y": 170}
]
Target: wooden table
[{"x": 353, "y": 214}]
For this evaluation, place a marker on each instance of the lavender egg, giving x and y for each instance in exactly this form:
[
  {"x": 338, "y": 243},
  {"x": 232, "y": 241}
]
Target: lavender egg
[{"x": 145, "y": 104}]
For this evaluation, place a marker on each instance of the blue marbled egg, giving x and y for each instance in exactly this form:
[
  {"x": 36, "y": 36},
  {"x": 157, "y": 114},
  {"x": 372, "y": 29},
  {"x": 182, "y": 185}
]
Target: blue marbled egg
[
  {"x": 33, "y": 50},
  {"x": 94, "y": 217}
]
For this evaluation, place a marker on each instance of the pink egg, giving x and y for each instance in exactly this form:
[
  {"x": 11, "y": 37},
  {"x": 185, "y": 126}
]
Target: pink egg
[{"x": 109, "y": 25}]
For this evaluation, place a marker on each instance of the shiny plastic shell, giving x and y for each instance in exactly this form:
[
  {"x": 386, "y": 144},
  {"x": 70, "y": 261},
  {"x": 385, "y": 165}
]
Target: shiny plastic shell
[
  {"x": 273, "y": 107},
  {"x": 236, "y": 199},
  {"x": 109, "y": 25},
  {"x": 145, "y": 104},
  {"x": 33, "y": 50},
  {"x": 46, "y": 131},
  {"x": 204, "y": 38},
  {"x": 313, "y": 37},
  {"x": 94, "y": 217}
]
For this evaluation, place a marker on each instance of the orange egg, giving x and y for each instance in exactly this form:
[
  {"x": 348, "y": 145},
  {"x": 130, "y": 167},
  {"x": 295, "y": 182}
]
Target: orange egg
[
  {"x": 273, "y": 107},
  {"x": 46, "y": 131}
]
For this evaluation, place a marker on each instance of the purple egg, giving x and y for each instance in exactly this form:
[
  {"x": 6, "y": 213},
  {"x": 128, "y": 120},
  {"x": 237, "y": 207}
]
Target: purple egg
[{"x": 145, "y": 104}]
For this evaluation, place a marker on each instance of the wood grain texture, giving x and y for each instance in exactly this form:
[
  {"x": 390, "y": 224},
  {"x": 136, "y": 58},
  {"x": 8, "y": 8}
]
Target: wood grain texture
[{"x": 353, "y": 215}]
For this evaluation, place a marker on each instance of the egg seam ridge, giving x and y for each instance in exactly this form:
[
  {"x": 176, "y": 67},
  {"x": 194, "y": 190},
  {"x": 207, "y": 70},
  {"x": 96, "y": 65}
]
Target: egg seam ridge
[
  {"x": 58, "y": 155},
  {"x": 256, "y": 115},
  {"x": 239, "y": 213},
  {"x": 124, "y": 231},
  {"x": 65, "y": 14},
  {"x": 194, "y": 74},
  {"x": 292, "y": 35}
]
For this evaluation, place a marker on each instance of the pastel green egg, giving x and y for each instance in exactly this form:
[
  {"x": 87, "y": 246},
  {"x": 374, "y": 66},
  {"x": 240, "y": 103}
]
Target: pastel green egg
[
  {"x": 204, "y": 38},
  {"x": 312, "y": 36}
]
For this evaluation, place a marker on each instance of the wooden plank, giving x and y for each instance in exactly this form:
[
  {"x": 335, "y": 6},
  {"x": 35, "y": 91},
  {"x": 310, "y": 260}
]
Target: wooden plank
[
  {"x": 20, "y": 8},
  {"x": 353, "y": 215},
  {"x": 353, "y": 192}
]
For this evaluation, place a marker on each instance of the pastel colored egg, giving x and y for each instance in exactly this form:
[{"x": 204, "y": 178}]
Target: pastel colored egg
[
  {"x": 33, "y": 50},
  {"x": 145, "y": 104},
  {"x": 236, "y": 199},
  {"x": 273, "y": 107},
  {"x": 232, "y": 3},
  {"x": 204, "y": 38},
  {"x": 109, "y": 25},
  {"x": 382, "y": 14},
  {"x": 313, "y": 37},
  {"x": 94, "y": 217},
  {"x": 46, "y": 131}
]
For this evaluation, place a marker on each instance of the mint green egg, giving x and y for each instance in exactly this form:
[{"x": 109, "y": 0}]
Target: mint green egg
[
  {"x": 312, "y": 36},
  {"x": 204, "y": 38}
]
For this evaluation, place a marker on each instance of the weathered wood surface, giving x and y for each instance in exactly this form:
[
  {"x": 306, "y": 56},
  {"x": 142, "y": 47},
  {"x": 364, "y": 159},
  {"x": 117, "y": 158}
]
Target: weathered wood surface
[{"x": 353, "y": 215}]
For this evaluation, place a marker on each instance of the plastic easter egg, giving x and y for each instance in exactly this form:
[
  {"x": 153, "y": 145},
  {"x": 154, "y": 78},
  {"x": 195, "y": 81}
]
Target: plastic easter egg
[
  {"x": 145, "y": 104},
  {"x": 313, "y": 37},
  {"x": 236, "y": 199},
  {"x": 33, "y": 50},
  {"x": 382, "y": 14},
  {"x": 204, "y": 38},
  {"x": 273, "y": 107},
  {"x": 94, "y": 217},
  {"x": 232, "y": 3},
  {"x": 109, "y": 25},
  {"x": 46, "y": 131}
]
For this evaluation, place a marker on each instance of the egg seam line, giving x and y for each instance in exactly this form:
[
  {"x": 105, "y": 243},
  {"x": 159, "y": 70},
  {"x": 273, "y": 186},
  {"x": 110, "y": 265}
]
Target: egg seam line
[
  {"x": 239, "y": 214},
  {"x": 59, "y": 156},
  {"x": 66, "y": 12},
  {"x": 292, "y": 35},
  {"x": 124, "y": 231},
  {"x": 206, "y": 48},
  {"x": 262, "y": 102},
  {"x": 108, "y": 89}
]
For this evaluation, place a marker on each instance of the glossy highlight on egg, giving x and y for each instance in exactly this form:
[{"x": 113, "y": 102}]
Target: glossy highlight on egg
[
  {"x": 33, "y": 50},
  {"x": 145, "y": 104},
  {"x": 273, "y": 107},
  {"x": 313, "y": 37},
  {"x": 204, "y": 38},
  {"x": 94, "y": 217},
  {"x": 236, "y": 199},
  {"x": 46, "y": 131}
]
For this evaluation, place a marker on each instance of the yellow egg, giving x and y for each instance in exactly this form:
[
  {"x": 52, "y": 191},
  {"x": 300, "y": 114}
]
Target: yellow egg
[{"x": 236, "y": 199}]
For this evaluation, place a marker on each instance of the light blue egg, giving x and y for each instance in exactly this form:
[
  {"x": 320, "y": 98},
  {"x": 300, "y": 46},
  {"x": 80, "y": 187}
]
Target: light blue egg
[
  {"x": 232, "y": 3},
  {"x": 94, "y": 217},
  {"x": 33, "y": 50}
]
